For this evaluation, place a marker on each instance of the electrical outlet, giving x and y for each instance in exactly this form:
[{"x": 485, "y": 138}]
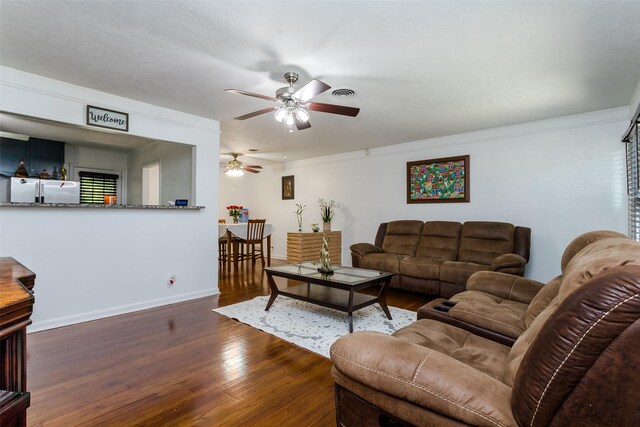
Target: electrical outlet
[{"x": 172, "y": 280}]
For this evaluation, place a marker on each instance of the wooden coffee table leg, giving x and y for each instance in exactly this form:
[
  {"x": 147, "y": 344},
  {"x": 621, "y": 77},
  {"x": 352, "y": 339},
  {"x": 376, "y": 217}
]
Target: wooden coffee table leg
[
  {"x": 274, "y": 291},
  {"x": 382, "y": 298}
]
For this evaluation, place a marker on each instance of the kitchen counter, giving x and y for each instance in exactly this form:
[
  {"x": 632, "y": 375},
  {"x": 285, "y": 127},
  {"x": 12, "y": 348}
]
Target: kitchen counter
[{"x": 91, "y": 206}]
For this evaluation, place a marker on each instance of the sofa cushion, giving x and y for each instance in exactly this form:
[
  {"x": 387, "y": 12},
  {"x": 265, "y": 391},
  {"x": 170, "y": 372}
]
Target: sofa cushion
[
  {"x": 382, "y": 262},
  {"x": 440, "y": 239},
  {"x": 542, "y": 300},
  {"x": 504, "y": 316},
  {"x": 402, "y": 237},
  {"x": 482, "y": 241},
  {"x": 421, "y": 267},
  {"x": 482, "y": 354},
  {"x": 459, "y": 272},
  {"x": 582, "y": 242}
]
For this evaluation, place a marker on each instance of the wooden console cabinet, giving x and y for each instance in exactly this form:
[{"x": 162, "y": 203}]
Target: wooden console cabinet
[
  {"x": 306, "y": 247},
  {"x": 16, "y": 306}
]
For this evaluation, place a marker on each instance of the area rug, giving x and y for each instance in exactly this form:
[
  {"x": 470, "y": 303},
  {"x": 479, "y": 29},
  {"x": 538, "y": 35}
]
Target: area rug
[{"x": 310, "y": 326}]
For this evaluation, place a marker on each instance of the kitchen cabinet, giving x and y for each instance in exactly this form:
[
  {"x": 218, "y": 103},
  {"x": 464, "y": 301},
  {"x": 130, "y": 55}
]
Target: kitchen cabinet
[
  {"x": 38, "y": 154},
  {"x": 11, "y": 151},
  {"x": 44, "y": 154}
]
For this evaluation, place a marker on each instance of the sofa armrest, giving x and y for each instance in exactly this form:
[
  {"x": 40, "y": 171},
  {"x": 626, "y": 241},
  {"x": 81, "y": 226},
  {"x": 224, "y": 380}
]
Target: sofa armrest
[
  {"x": 509, "y": 263},
  {"x": 423, "y": 377},
  {"x": 362, "y": 249},
  {"x": 505, "y": 286}
]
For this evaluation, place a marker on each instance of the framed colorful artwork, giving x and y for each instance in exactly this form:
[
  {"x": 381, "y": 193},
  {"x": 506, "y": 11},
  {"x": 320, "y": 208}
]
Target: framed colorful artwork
[
  {"x": 288, "y": 189},
  {"x": 443, "y": 180}
]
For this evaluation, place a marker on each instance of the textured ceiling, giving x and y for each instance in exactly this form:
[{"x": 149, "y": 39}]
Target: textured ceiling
[{"x": 420, "y": 69}]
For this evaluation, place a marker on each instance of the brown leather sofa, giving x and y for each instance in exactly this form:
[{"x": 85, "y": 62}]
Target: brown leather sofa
[
  {"x": 501, "y": 306},
  {"x": 437, "y": 257},
  {"x": 575, "y": 364}
]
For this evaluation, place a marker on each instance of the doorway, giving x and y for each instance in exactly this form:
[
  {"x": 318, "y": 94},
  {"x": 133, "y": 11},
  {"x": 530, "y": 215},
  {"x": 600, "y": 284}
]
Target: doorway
[{"x": 151, "y": 184}]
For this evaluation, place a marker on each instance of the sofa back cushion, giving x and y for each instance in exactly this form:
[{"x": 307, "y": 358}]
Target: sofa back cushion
[
  {"x": 402, "y": 237},
  {"x": 584, "y": 356},
  {"x": 582, "y": 242},
  {"x": 589, "y": 263},
  {"x": 440, "y": 239},
  {"x": 482, "y": 241}
]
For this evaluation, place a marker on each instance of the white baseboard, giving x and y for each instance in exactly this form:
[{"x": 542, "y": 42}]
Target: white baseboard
[{"x": 115, "y": 311}]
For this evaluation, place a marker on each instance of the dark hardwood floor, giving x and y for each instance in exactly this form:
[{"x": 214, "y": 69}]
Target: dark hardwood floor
[{"x": 181, "y": 364}]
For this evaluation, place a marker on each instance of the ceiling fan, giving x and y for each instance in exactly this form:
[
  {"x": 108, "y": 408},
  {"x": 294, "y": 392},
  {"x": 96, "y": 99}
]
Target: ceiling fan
[
  {"x": 292, "y": 106},
  {"x": 236, "y": 168}
]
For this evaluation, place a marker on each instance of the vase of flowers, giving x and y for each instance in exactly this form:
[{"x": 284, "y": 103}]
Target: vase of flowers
[
  {"x": 234, "y": 212},
  {"x": 327, "y": 210}
]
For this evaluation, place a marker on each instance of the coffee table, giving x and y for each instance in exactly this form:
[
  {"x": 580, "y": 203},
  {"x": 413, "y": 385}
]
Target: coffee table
[{"x": 337, "y": 291}]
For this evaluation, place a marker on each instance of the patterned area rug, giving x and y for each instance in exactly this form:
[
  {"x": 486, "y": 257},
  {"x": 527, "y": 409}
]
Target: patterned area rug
[{"x": 310, "y": 326}]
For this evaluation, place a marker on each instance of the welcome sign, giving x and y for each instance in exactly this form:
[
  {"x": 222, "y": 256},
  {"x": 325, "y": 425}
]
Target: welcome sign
[{"x": 109, "y": 119}]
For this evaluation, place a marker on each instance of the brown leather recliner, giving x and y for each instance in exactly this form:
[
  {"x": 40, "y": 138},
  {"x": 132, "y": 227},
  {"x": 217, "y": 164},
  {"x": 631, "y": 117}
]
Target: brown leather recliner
[
  {"x": 501, "y": 306},
  {"x": 576, "y": 364}
]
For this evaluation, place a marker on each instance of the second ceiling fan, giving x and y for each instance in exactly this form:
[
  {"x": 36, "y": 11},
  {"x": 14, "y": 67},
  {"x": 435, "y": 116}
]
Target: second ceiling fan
[{"x": 292, "y": 106}]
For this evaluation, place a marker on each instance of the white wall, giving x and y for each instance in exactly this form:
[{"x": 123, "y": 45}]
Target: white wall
[
  {"x": 66, "y": 248},
  {"x": 175, "y": 171},
  {"x": 560, "y": 177}
]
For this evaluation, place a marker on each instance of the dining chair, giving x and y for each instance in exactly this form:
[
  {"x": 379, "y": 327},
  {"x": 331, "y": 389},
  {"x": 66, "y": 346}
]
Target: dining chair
[
  {"x": 223, "y": 256},
  {"x": 253, "y": 244}
]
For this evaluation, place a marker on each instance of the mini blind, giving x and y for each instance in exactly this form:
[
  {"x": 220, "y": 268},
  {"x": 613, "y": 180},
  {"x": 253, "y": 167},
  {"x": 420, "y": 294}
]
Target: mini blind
[
  {"x": 94, "y": 186},
  {"x": 633, "y": 180}
]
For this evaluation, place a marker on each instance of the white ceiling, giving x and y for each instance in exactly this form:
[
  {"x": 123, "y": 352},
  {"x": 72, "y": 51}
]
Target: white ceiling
[{"x": 420, "y": 69}]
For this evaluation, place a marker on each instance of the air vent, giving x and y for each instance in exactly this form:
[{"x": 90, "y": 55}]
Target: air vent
[{"x": 343, "y": 92}]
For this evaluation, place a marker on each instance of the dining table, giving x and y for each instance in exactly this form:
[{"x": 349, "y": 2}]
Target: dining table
[{"x": 240, "y": 232}]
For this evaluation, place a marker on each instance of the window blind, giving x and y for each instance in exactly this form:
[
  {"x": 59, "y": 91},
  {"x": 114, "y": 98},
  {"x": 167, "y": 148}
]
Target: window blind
[
  {"x": 94, "y": 186},
  {"x": 633, "y": 180}
]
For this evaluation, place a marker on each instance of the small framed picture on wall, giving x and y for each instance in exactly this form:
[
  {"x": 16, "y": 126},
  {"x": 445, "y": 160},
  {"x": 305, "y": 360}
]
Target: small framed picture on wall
[{"x": 288, "y": 188}]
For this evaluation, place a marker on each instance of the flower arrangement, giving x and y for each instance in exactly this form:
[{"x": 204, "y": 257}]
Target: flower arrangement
[
  {"x": 300, "y": 207},
  {"x": 326, "y": 209},
  {"x": 234, "y": 212}
]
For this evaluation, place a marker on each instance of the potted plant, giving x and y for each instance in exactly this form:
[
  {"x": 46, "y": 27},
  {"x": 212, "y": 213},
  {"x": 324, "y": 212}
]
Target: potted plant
[
  {"x": 326, "y": 213},
  {"x": 315, "y": 227}
]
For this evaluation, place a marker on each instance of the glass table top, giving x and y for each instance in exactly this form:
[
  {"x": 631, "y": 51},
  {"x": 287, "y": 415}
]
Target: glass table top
[{"x": 340, "y": 273}]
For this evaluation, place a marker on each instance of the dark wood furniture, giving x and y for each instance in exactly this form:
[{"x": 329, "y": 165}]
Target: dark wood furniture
[
  {"x": 337, "y": 291},
  {"x": 16, "y": 306},
  {"x": 255, "y": 238}
]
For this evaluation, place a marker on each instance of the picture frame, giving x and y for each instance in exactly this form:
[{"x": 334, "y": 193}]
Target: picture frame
[
  {"x": 108, "y": 119},
  {"x": 288, "y": 187},
  {"x": 444, "y": 180}
]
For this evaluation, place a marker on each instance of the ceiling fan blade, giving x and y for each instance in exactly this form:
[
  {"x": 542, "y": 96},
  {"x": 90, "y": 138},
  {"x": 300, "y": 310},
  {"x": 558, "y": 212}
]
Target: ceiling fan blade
[
  {"x": 334, "y": 109},
  {"x": 250, "y": 170},
  {"x": 254, "y": 166},
  {"x": 302, "y": 125},
  {"x": 311, "y": 89},
  {"x": 255, "y": 113},
  {"x": 255, "y": 95}
]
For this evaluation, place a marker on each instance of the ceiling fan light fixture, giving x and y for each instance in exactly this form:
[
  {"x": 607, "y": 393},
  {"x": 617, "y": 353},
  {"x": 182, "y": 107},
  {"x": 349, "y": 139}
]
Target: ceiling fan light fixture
[
  {"x": 235, "y": 172},
  {"x": 290, "y": 118},
  {"x": 281, "y": 114},
  {"x": 302, "y": 114}
]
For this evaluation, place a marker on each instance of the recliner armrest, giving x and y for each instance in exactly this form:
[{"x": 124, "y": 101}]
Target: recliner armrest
[
  {"x": 424, "y": 377},
  {"x": 505, "y": 286},
  {"x": 509, "y": 263},
  {"x": 362, "y": 249}
]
